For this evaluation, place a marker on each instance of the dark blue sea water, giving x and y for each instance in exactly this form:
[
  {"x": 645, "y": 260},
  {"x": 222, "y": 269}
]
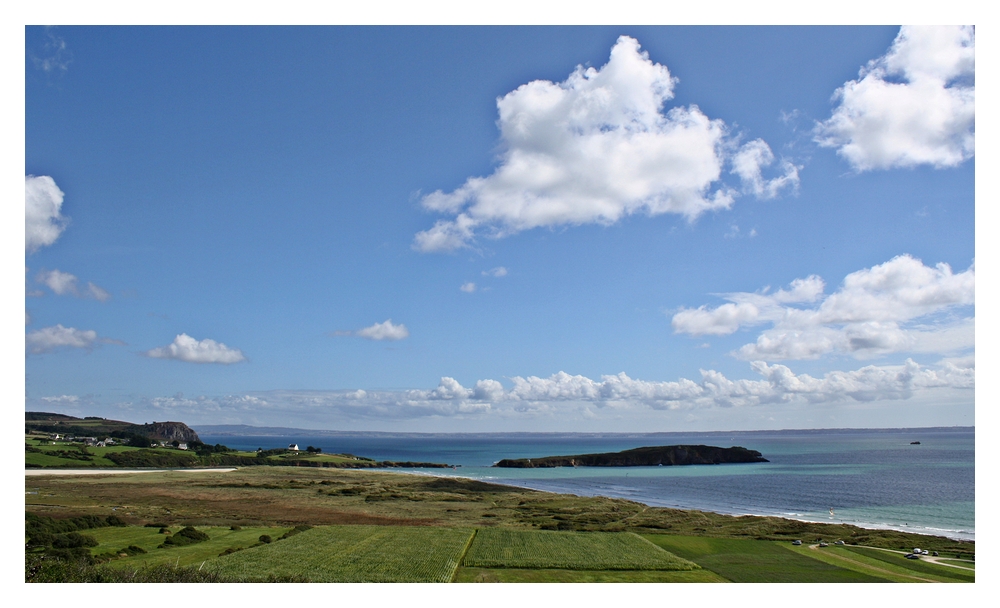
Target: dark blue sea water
[{"x": 873, "y": 478}]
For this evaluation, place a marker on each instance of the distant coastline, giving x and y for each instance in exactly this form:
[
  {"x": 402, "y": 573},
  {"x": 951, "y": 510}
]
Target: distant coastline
[{"x": 225, "y": 430}]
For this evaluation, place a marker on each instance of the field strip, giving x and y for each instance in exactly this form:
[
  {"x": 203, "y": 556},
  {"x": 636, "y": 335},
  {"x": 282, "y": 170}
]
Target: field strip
[
  {"x": 38, "y": 472},
  {"x": 465, "y": 549},
  {"x": 930, "y": 559},
  {"x": 869, "y": 567}
]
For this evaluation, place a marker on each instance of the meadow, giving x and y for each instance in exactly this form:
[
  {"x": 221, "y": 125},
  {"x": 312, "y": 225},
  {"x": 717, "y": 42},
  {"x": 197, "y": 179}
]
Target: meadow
[{"x": 383, "y": 526}]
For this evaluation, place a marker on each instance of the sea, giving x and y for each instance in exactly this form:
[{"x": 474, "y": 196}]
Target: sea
[{"x": 914, "y": 480}]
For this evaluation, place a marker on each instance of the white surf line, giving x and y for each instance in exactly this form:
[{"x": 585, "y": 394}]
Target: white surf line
[{"x": 38, "y": 472}]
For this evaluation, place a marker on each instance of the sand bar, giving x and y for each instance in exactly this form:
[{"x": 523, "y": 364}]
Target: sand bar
[{"x": 33, "y": 472}]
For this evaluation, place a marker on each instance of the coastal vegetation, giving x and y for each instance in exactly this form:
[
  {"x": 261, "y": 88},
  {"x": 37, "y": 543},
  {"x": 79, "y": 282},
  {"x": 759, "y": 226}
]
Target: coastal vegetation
[
  {"x": 42, "y": 450},
  {"x": 330, "y": 524}
]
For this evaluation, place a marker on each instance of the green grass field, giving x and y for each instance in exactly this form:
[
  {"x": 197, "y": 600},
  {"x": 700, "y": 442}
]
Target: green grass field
[
  {"x": 534, "y": 549},
  {"x": 912, "y": 567},
  {"x": 518, "y": 575},
  {"x": 113, "y": 539},
  {"x": 886, "y": 565},
  {"x": 335, "y": 554},
  {"x": 754, "y": 561}
]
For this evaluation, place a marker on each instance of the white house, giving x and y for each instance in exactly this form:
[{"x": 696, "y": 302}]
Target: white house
[{"x": 293, "y": 447}]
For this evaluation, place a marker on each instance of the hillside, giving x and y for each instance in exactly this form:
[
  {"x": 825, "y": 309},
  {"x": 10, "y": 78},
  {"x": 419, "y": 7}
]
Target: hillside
[{"x": 92, "y": 426}]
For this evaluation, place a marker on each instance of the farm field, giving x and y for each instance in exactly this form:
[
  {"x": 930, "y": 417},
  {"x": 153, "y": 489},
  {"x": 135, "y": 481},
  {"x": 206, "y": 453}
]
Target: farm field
[
  {"x": 531, "y": 549},
  {"x": 340, "y": 554}
]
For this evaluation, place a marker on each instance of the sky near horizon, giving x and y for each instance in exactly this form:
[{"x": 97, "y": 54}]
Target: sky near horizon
[{"x": 502, "y": 228}]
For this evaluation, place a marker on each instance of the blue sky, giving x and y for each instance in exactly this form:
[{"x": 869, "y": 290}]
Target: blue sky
[{"x": 497, "y": 228}]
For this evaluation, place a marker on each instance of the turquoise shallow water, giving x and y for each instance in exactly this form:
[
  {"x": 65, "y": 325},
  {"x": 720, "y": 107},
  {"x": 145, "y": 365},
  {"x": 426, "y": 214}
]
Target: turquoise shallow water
[{"x": 872, "y": 477}]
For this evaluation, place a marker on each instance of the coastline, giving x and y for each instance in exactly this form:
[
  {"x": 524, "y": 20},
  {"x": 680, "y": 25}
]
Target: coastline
[{"x": 963, "y": 535}]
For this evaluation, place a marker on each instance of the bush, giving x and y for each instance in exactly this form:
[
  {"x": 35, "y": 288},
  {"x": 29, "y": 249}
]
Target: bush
[
  {"x": 235, "y": 528},
  {"x": 187, "y": 536},
  {"x": 295, "y": 531},
  {"x": 72, "y": 540},
  {"x": 264, "y": 538}
]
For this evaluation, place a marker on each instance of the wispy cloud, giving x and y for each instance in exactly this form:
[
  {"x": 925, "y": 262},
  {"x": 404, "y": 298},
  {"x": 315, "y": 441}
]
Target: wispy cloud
[
  {"x": 916, "y": 105},
  {"x": 468, "y": 287},
  {"x": 595, "y": 148},
  {"x": 378, "y": 331},
  {"x": 57, "y": 337},
  {"x": 64, "y": 283},
  {"x": 54, "y": 55},
  {"x": 497, "y": 272}
]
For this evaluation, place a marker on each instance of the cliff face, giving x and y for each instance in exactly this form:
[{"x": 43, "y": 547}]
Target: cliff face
[
  {"x": 167, "y": 431},
  {"x": 644, "y": 457}
]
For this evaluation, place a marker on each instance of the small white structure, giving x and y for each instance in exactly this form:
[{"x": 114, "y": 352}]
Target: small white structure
[
  {"x": 293, "y": 447},
  {"x": 182, "y": 446}
]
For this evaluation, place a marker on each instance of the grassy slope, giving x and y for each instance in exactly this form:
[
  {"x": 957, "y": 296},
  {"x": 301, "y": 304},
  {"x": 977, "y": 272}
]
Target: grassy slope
[{"x": 750, "y": 561}]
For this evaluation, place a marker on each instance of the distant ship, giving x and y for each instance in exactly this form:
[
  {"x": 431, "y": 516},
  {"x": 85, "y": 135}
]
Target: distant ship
[{"x": 914, "y": 443}]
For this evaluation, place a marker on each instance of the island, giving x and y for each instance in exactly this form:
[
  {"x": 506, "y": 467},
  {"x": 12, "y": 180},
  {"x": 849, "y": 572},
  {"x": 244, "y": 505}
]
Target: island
[{"x": 668, "y": 455}]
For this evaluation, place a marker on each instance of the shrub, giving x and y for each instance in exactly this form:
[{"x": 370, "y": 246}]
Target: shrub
[
  {"x": 187, "y": 536},
  {"x": 295, "y": 531},
  {"x": 235, "y": 528},
  {"x": 72, "y": 540},
  {"x": 264, "y": 538}
]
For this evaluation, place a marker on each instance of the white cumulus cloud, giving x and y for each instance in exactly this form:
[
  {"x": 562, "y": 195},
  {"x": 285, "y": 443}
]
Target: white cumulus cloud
[
  {"x": 186, "y": 348},
  {"x": 43, "y": 222},
  {"x": 899, "y": 306},
  {"x": 595, "y": 148},
  {"x": 916, "y": 105},
  {"x": 468, "y": 287},
  {"x": 384, "y": 331}
]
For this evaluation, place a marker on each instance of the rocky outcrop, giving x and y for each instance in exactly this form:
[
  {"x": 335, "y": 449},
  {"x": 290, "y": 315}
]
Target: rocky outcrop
[
  {"x": 167, "y": 431},
  {"x": 670, "y": 455}
]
